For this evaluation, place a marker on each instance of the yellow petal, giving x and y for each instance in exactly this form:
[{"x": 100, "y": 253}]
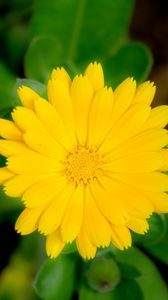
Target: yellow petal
[
  {"x": 121, "y": 237},
  {"x": 27, "y": 96},
  {"x": 81, "y": 93},
  {"x": 53, "y": 215},
  {"x": 138, "y": 225},
  {"x": 61, "y": 74},
  {"x": 164, "y": 153},
  {"x": 97, "y": 227},
  {"x": 94, "y": 73},
  {"x": 34, "y": 163},
  {"x": 123, "y": 96},
  {"x": 129, "y": 199},
  {"x": 44, "y": 144},
  {"x": 151, "y": 140},
  {"x": 109, "y": 205},
  {"x": 43, "y": 191},
  {"x": 59, "y": 97},
  {"x": 101, "y": 109},
  {"x": 16, "y": 186},
  {"x": 28, "y": 220},
  {"x": 73, "y": 216},
  {"x": 159, "y": 201},
  {"x": 26, "y": 119},
  {"x": 86, "y": 249},
  {"x": 53, "y": 123},
  {"x": 8, "y": 148},
  {"x": 157, "y": 119},
  {"x": 136, "y": 163},
  {"x": 128, "y": 125},
  {"x": 9, "y": 130},
  {"x": 5, "y": 175},
  {"x": 54, "y": 244},
  {"x": 154, "y": 181},
  {"x": 145, "y": 93}
]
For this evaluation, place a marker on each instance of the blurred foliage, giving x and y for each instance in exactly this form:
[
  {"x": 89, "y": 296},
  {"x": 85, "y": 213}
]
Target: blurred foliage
[{"x": 37, "y": 36}]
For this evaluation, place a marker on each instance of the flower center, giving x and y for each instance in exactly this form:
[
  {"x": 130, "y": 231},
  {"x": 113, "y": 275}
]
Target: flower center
[{"x": 82, "y": 165}]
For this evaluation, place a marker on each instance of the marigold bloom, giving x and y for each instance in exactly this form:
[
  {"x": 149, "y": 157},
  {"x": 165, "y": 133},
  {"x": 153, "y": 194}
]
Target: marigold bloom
[{"x": 88, "y": 163}]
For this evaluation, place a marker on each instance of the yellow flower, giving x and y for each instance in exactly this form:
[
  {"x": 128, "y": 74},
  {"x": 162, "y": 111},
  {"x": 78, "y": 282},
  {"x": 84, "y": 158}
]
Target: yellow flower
[{"x": 88, "y": 163}]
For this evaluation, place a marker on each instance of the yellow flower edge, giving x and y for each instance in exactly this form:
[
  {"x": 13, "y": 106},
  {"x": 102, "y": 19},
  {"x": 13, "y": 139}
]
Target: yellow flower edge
[{"x": 88, "y": 163}]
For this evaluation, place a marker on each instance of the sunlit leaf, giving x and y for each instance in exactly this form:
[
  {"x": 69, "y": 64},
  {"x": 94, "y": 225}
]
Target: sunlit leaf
[
  {"x": 132, "y": 59},
  {"x": 87, "y": 294},
  {"x": 128, "y": 290},
  {"x": 44, "y": 53},
  {"x": 151, "y": 282},
  {"x": 156, "y": 232},
  {"x": 84, "y": 28},
  {"x": 55, "y": 279}
]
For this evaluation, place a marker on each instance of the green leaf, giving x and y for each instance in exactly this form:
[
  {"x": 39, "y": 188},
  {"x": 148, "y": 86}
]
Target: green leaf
[
  {"x": 132, "y": 59},
  {"x": 129, "y": 272},
  {"x": 157, "y": 231},
  {"x": 84, "y": 28},
  {"x": 87, "y": 294},
  {"x": 69, "y": 248},
  {"x": 160, "y": 249},
  {"x": 9, "y": 206},
  {"x": 37, "y": 86},
  {"x": 43, "y": 54},
  {"x": 55, "y": 279},
  {"x": 7, "y": 81},
  {"x": 151, "y": 282},
  {"x": 16, "y": 42},
  {"x": 103, "y": 274},
  {"x": 128, "y": 290}
]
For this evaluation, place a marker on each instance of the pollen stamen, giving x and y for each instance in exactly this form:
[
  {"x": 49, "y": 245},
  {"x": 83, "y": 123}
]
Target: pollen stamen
[{"x": 82, "y": 165}]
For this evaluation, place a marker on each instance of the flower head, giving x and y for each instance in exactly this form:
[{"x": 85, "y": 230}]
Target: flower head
[{"x": 88, "y": 163}]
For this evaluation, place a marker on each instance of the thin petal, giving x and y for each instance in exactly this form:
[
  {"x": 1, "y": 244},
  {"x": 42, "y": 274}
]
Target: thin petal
[
  {"x": 86, "y": 249},
  {"x": 159, "y": 201},
  {"x": 26, "y": 119},
  {"x": 59, "y": 97},
  {"x": 136, "y": 163},
  {"x": 53, "y": 123},
  {"x": 145, "y": 93},
  {"x": 53, "y": 215},
  {"x": 123, "y": 96},
  {"x": 28, "y": 220},
  {"x": 109, "y": 205},
  {"x": 138, "y": 225},
  {"x": 101, "y": 109},
  {"x": 16, "y": 186},
  {"x": 54, "y": 244},
  {"x": 129, "y": 199},
  {"x": 43, "y": 144},
  {"x": 157, "y": 119},
  {"x": 27, "y": 96},
  {"x": 164, "y": 153},
  {"x": 81, "y": 93},
  {"x": 44, "y": 191},
  {"x": 9, "y": 130},
  {"x": 155, "y": 181},
  {"x": 5, "y": 175},
  {"x": 8, "y": 148},
  {"x": 94, "y": 73},
  {"x": 97, "y": 226},
  {"x": 129, "y": 125},
  {"x": 152, "y": 140},
  {"x": 73, "y": 216},
  {"x": 121, "y": 237},
  {"x": 34, "y": 163},
  {"x": 61, "y": 74}
]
